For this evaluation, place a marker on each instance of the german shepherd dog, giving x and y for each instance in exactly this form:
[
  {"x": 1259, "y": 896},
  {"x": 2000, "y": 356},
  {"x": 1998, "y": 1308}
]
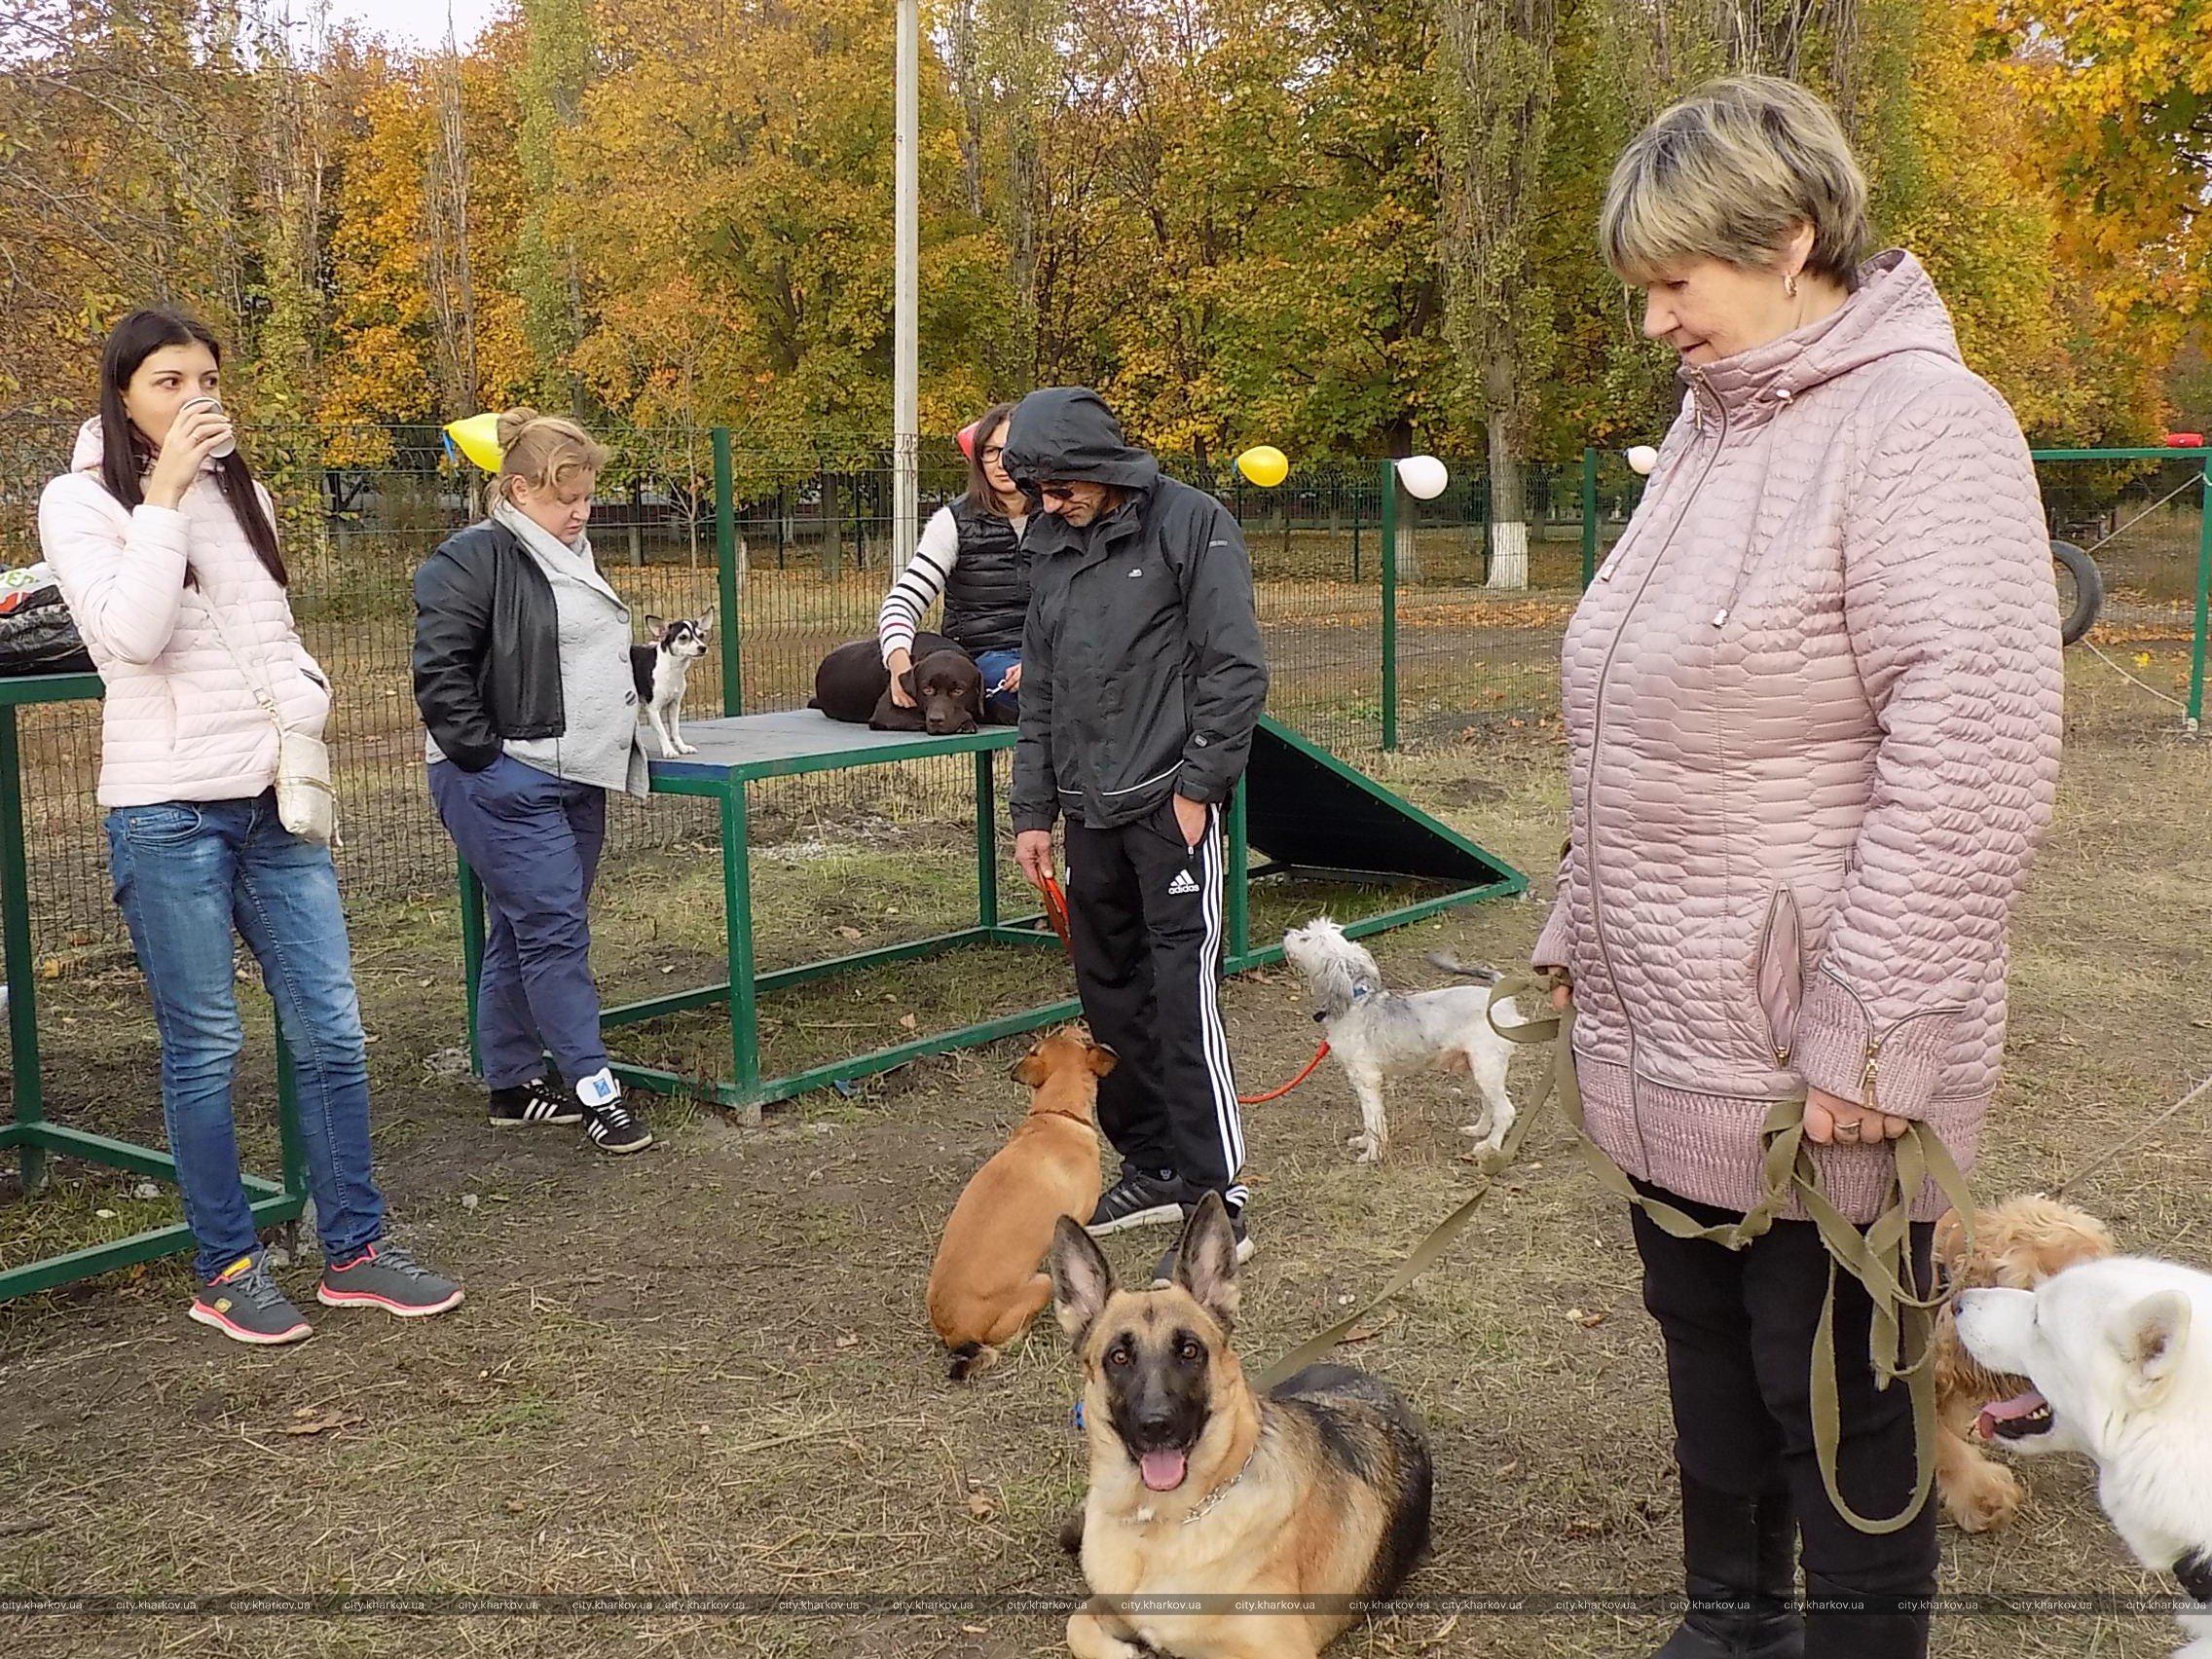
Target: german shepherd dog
[{"x": 1200, "y": 1488}]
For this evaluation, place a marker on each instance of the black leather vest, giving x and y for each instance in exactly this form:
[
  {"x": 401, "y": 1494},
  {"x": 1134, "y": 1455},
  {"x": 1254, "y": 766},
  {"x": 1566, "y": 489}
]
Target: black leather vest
[{"x": 986, "y": 595}]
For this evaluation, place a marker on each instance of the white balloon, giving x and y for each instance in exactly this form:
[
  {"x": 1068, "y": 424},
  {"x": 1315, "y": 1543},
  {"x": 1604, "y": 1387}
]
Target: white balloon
[
  {"x": 1642, "y": 458},
  {"x": 1423, "y": 476}
]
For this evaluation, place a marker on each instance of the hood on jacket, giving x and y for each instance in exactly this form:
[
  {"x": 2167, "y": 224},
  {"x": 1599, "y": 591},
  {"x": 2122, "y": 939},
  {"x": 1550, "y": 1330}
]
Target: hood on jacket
[
  {"x": 1062, "y": 433},
  {"x": 92, "y": 446},
  {"x": 1895, "y": 308}
]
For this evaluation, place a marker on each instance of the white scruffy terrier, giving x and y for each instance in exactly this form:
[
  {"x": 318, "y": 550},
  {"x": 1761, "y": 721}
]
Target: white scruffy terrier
[{"x": 1375, "y": 1032}]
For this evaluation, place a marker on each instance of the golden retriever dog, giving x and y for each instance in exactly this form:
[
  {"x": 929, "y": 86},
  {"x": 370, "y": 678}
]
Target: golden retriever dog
[
  {"x": 1314, "y": 1496},
  {"x": 985, "y": 1285},
  {"x": 2018, "y": 1244}
]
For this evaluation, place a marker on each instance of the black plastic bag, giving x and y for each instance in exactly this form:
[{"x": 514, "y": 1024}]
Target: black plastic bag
[{"x": 39, "y": 636}]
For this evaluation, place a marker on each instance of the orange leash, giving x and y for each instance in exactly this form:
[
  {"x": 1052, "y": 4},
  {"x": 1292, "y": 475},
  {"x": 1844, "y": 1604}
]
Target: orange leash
[
  {"x": 1319, "y": 1054},
  {"x": 1056, "y": 912}
]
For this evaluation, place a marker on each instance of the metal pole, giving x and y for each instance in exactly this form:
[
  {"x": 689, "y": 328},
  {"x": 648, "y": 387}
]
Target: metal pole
[
  {"x": 726, "y": 576},
  {"x": 1389, "y": 547},
  {"x": 1589, "y": 515},
  {"x": 986, "y": 843},
  {"x": 906, "y": 414},
  {"x": 2203, "y": 602},
  {"x": 21, "y": 967}
]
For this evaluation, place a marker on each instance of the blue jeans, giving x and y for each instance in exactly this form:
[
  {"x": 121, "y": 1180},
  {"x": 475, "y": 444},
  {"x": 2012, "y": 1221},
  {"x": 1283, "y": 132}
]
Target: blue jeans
[
  {"x": 1004, "y": 708},
  {"x": 533, "y": 841},
  {"x": 186, "y": 875}
]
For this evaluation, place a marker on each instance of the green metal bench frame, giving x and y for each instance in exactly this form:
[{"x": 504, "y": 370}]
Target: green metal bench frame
[
  {"x": 28, "y": 1135},
  {"x": 745, "y": 1091}
]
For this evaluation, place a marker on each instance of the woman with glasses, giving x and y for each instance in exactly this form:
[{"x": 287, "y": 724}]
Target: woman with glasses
[{"x": 971, "y": 553}]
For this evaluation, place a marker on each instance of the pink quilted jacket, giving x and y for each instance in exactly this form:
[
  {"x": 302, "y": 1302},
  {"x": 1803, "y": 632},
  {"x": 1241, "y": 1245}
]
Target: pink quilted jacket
[
  {"x": 1813, "y": 706},
  {"x": 180, "y": 721}
]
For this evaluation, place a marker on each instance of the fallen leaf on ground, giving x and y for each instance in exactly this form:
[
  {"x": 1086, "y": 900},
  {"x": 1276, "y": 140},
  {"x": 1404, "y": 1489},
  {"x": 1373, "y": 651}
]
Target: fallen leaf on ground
[
  {"x": 308, "y": 1422},
  {"x": 1369, "y": 1330}
]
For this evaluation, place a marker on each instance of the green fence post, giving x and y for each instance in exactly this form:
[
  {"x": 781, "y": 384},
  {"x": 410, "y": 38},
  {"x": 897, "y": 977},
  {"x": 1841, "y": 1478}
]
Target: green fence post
[
  {"x": 1389, "y": 536},
  {"x": 22, "y": 966},
  {"x": 1589, "y": 515},
  {"x": 986, "y": 843},
  {"x": 2203, "y": 600},
  {"x": 1355, "y": 537},
  {"x": 725, "y": 575}
]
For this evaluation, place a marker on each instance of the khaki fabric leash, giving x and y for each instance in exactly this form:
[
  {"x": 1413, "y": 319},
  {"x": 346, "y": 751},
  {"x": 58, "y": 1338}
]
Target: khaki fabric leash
[{"x": 1901, "y": 1337}]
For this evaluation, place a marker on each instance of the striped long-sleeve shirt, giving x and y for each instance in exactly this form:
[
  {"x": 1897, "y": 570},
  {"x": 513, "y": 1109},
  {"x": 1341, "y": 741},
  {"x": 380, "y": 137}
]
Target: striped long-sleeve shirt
[{"x": 921, "y": 583}]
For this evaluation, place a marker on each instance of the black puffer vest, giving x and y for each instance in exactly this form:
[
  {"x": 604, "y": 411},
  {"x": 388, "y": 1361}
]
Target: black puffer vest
[{"x": 986, "y": 593}]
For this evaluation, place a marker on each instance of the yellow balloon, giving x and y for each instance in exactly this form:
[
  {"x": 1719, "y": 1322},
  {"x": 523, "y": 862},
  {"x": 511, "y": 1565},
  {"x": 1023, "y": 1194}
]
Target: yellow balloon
[
  {"x": 1264, "y": 465},
  {"x": 478, "y": 438}
]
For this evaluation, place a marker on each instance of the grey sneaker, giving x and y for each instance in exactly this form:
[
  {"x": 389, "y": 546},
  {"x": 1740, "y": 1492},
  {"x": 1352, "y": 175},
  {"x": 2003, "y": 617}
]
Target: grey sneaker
[
  {"x": 244, "y": 1304},
  {"x": 384, "y": 1275}
]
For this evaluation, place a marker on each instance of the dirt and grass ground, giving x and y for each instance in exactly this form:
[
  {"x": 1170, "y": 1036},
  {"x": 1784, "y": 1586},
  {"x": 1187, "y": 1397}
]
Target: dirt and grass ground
[{"x": 705, "y": 1370}]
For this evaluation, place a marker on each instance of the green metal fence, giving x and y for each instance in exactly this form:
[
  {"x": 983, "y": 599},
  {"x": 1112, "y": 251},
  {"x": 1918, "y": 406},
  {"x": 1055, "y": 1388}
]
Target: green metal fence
[{"x": 1382, "y": 622}]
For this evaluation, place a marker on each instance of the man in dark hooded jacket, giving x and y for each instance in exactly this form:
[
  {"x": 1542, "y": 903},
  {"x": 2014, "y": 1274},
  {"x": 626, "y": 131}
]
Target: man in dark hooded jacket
[{"x": 1142, "y": 680}]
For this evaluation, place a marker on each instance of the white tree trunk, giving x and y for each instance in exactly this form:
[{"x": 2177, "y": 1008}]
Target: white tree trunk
[
  {"x": 1509, "y": 556},
  {"x": 1408, "y": 551}
]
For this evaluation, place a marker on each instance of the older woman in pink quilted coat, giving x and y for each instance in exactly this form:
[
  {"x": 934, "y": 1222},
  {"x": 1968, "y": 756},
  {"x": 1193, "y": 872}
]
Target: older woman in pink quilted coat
[{"x": 1812, "y": 705}]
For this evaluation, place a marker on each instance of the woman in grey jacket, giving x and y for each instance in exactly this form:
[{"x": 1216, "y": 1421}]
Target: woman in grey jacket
[
  {"x": 521, "y": 671},
  {"x": 1813, "y": 706}
]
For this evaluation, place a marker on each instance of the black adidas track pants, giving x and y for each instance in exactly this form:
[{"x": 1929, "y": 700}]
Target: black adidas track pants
[{"x": 1147, "y": 917}]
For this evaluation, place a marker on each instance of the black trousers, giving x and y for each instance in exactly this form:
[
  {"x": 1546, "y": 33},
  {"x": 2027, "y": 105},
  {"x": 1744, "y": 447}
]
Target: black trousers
[
  {"x": 1146, "y": 918},
  {"x": 1738, "y": 1331}
]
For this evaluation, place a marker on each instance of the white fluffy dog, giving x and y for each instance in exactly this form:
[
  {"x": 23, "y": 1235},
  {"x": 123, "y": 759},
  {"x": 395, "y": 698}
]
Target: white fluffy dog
[
  {"x": 1375, "y": 1032},
  {"x": 2119, "y": 1351}
]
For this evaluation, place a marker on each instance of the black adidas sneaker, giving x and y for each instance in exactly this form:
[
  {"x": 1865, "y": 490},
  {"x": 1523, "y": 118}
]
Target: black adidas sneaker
[
  {"x": 534, "y": 1102},
  {"x": 1139, "y": 1199},
  {"x": 607, "y": 1123}
]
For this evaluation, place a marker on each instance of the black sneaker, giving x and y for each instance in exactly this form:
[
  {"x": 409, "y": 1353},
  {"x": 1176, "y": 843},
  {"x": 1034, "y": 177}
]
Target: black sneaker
[
  {"x": 534, "y": 1102},
  {"x": 607, "y": 1123},
  {"x": 244, "y": 1302},
  {"x": 1163, "y": 1270},
  {"x": 1139, "y": 1199}
]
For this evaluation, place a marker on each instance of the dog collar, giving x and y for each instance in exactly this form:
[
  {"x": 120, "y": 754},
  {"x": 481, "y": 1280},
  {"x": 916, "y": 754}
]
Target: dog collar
[
  {"x": 1206, "y": 1505},
  {"x": 2194, "y": 1571},
  {"x": 1055, "y": 1112}
]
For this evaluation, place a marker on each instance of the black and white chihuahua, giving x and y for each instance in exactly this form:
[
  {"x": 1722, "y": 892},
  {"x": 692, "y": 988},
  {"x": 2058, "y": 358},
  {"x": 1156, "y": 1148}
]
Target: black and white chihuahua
[{"x": 660, "y": 668}]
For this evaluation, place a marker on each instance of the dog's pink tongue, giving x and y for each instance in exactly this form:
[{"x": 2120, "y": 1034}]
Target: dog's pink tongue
[
  {"x": 1162, "y": 1471},
  {"x": 2006, "y": 1411}
]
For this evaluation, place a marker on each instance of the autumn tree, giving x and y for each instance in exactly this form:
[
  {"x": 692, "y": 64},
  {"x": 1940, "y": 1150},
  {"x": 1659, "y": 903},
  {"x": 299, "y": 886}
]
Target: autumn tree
[{"x": 1497, "y": 82}]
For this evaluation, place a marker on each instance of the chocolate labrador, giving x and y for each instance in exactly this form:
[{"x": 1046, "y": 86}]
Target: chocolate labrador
[{"x": 853, "y": 685}]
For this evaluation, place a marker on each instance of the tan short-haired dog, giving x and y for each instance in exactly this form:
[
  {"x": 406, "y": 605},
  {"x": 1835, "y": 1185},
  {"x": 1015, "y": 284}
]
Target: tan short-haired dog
[
  {"x": 2018, "y": 1244},
  {"x": 985, "y": 1285}
]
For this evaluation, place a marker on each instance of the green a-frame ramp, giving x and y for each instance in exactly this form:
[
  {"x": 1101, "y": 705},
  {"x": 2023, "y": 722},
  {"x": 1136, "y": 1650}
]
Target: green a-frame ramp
[{"x": 1305, "y": 812}]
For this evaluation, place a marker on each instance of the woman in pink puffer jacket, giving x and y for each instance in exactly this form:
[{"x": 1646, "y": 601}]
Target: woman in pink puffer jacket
[
  {"x": 165, "y": 549},
  {"x": 1813, "y": 706}
]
